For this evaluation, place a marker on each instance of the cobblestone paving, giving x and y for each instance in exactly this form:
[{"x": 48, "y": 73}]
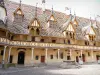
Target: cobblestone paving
[{"x": 93, "y": 69}]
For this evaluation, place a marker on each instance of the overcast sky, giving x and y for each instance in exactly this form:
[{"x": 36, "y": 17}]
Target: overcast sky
[{"x": 83, "y": 8}]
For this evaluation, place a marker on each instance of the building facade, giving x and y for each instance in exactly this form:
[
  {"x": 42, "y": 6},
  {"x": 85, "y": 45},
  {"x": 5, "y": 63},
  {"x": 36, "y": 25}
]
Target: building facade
[{"x": 30, "y": 35}]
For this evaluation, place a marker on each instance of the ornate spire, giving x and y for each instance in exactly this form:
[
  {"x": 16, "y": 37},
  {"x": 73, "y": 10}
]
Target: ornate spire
[
  {"x": 70, "y": 11},
  {"x": 19, "y": 11},
  {"x": 43, "y": 5},
  {"x": 20, "y": 3},
  {"x": 36, "y": 11},
  {"x": 74, "y": 13},
  {"x": 43, "y": 1},
  {"x": 90, "y": 21},
  {"x": 52, "y": 9}
]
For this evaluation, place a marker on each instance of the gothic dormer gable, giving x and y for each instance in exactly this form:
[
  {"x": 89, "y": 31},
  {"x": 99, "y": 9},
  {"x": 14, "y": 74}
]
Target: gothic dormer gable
[
  {"x": 70, "y": 27},
  {"x": 52, "y": 18},
  {"x": 18, "y": 11},
  {"x": 35, "y": 23},
  {"x": 89, "y": 32}
]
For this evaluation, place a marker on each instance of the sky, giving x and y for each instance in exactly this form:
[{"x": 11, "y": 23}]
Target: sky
[{"x": 82, "y": 8}]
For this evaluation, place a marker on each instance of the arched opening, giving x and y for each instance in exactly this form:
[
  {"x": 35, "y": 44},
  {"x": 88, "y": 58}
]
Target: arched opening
[
  {"x": 37, "y": 31},
  {"x": 21, "y": 57}
]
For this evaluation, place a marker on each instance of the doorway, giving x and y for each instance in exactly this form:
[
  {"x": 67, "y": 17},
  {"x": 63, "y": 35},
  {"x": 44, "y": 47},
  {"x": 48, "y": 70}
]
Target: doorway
[
  {"x": 77, "y": 60},
  {"x": 42, "y": 59},
  {"x": 83, "y": 57},
  {"x": 21, "y": 56},
  {"x": 97, "y": 57}
]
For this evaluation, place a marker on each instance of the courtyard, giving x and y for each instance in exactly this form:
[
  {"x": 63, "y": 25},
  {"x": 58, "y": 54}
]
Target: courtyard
[{"x": 87, "y": 69}]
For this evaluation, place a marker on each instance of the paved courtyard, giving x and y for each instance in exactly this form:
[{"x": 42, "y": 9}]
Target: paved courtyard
[{"x": 93, "y": 69}]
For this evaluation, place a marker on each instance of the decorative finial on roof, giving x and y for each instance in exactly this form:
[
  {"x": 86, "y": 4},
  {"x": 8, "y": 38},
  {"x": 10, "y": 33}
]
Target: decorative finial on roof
[
  {"x": 43, "y": 1},
  {"x": 52, "y": 9},
  {"x": 96, "y": 19},
  {"x": 36, "y": 10},
  {"x": 90, "y": 21},
  {"x": 43, "y": 5},
  {"x": 74, "y": 13},
  {"x": 66, "y": 8},
  {"x": 20, "y": 3},
  {"x": 70, "y": 11}
]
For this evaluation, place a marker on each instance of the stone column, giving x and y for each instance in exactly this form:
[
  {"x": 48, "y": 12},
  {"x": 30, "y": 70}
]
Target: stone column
[
  {"x": 92, "y": 55},
  {"x": 3, "y": 59},
  {"x": 9, "y": 54},
  {"x": 32, "y": 56},
  {"x": 46, "y": 55},
  {"x": 58, "y": 54}
]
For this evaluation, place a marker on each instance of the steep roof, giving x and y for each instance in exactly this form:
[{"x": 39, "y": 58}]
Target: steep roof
[{"x": 19, "y": 27}]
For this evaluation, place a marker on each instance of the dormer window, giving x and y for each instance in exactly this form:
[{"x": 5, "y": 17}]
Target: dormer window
[
  {"x": 34, "y": 27},
  {"x": 86, "y": 43},
  {"x": 75, "y": 23},
  {"x": 52, "y": 18},
  {"x": 18, "y": 11},
  {"x": 70, "y": 28},
  {"x": 92, "y": 37}
]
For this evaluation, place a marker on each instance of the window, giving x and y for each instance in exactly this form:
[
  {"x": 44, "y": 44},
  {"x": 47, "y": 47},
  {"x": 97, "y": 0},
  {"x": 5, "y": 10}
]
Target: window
[
  {"x": 86, "y": 43},
  {"x": 37, "y": 31},
  {"x": 2, "y": 52},
  {"x": 51, "y": 56},
  {"x": 66, "y": 33},
  {"x": 53, "y": 41},
  {"x": 70, "y": 35},
  {"x": 12, "y": 37},
  {"x": 64, "y": 41},
  {"x": 92, "y": 37},
  {"x": 37, "y": 57},
  {"x": 33, "y": 38},
  {"x": 68, "y": 41},
  {"x": 88, "y": 53},
  {"x": 68, "y": 58},
  {"x": 94, "y": 44},
  {"x": 42, "y": 40},
  {"x": 61, "y": 55}
]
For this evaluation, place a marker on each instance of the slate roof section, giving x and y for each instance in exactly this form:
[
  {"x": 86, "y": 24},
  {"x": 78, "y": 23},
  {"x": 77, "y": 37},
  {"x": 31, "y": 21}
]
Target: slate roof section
[{"x": 17, "y": 27}]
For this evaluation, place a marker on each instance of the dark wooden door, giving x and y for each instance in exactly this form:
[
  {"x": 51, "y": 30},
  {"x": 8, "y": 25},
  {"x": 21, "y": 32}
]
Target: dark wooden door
[
  {"x": 11, "y": 58},
  {"x": 83, "y": 57},
  {"x": 42, "y": 59},
  {"x": 21, "y": 56},
  {"x": 77, "y": 60},
  {"x": 97, "y": 57}
]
